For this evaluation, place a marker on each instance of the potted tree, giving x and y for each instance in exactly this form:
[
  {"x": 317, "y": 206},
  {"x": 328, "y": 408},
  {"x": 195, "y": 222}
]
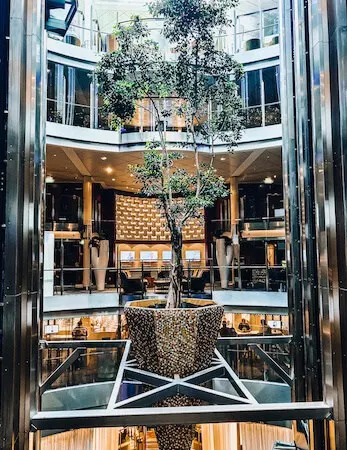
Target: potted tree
[{"x": 198, "y": 87}]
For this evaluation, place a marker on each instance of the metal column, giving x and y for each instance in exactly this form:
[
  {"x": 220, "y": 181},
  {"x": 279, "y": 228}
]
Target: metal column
[
  {"x": 23, "y": 221},
  {"x": 314, "y": 86}
]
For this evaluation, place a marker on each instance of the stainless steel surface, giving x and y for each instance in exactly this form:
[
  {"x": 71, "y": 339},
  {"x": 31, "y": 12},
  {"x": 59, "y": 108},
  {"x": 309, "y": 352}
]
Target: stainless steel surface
[
  {"x": 273, "y": 364},
  {"x": 59, "y": 370},
  {"x": 319, "y": 60},
  {"x": 25, "y": 170},
  {"x": 189, "y": 414},
  {"x": 120, "y": 375}
]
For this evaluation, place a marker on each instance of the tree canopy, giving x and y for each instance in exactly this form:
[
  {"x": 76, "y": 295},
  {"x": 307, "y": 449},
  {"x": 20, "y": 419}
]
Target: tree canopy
[{"x": 196, "y": 82}]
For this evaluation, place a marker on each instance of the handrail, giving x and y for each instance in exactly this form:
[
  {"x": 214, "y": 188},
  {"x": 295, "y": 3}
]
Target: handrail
[{"x": 85, "y": 344}]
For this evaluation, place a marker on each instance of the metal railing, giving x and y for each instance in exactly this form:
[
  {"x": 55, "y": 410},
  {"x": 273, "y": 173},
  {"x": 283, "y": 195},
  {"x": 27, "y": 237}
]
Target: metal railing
[
  {"x": 132, "y": 408},
  {"x": 141, "y": 278}
]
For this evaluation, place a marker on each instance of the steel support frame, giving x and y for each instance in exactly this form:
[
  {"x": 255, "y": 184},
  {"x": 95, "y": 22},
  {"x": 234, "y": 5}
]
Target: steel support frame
[
  {"x": 23, "y": 224},
  {"x": 314, "y": 114},
  {"x": 141, "y": 409}
]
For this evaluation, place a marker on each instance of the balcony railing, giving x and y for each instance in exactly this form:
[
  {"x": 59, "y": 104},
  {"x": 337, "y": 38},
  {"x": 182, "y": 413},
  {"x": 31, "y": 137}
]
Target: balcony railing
[{"x": 127, "y": 395}]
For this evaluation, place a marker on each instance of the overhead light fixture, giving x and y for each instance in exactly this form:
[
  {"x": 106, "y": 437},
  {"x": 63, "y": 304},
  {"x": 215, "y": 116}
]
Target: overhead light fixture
[
  {"x": 109, "y": 169},
  {"x": 54, "y": 154},
  {"x": 104, "y": 158},
  {"x": 222, "y": 158},
  {"x": 268, "y": 180},
  {"x": 49, "y": 179},
  {"x": 113, "y": 179}
]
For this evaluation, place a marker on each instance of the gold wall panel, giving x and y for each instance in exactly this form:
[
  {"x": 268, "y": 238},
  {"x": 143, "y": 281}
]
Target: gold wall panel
[{"x": 138, "y": 219}]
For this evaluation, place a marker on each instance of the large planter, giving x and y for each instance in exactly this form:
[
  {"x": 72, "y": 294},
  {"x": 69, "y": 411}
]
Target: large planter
[{"x": 173, "y": 342}]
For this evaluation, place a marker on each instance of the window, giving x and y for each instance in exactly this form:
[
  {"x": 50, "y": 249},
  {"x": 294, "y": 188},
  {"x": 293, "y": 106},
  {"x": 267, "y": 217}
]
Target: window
[
  {"x": 257, "y": 29},
  {"x": 69, "y": 95},
  {"x": 260, "y": 92}
]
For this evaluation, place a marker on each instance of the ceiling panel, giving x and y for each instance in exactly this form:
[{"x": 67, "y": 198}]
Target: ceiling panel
[{"x": 114, "y": 172}]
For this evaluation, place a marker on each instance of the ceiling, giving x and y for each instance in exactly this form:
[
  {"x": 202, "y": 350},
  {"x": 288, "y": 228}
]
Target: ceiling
[{"x": 71, "y": 165}]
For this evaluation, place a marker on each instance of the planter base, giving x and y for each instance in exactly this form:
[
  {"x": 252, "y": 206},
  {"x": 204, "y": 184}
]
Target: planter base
[{"x": 174, "y": 342}]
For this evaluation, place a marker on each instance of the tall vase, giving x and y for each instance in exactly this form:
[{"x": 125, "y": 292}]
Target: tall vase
[
  {"x": 224, "y": 254},
  {"x": 100, "y": 258}
]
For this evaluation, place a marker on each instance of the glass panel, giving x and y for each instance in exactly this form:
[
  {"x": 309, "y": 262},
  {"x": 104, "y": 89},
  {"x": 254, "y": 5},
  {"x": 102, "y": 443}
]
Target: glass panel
[
  {"x": 253, "y": 96},
  {"x": 271, "y": 84},
  {"x": 272, "y": 114},
  {"x": 248, "y": 27},
  {"x": 271, "y": 30}
]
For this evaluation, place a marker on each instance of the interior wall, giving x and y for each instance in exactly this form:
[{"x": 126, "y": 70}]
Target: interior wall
[{"x": 137, "y": 248}]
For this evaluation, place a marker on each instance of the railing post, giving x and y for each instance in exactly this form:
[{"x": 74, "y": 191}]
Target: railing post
[
  {"x": 90, "y": 268},
  {"x": 61, "y": 267},
  {"x": 142, "y": 281},
  {"x": 189, "y": 279}
]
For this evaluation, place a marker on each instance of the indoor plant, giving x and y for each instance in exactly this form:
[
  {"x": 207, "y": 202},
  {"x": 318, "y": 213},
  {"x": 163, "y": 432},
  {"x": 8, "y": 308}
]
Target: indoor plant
[{"x": 197, "y": 85}]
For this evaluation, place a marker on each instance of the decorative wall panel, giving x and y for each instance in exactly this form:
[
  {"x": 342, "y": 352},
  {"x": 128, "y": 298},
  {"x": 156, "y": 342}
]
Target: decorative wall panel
[{"x": 138, "y": 219}]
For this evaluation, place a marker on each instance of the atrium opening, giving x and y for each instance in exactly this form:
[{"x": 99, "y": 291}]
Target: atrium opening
[{"x": 173, "y": 202}]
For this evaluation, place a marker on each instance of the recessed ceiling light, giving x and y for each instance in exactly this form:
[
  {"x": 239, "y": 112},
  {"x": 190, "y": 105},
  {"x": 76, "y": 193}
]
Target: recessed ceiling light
[
  {"x": 223, "y": 159},
  {"x": 214, "y": 170},
  {"x": 49, "y": 179},
  {"x": 131, "y": 174},
  {"x": 113, "y": 179},
  {"x": 109, "y": 169},
  {"x": 275, "y": 176},
  {"x": 54, "y": 154},
  {"x": 104, "y": 158},
  {"x": 268, "y": 180}
]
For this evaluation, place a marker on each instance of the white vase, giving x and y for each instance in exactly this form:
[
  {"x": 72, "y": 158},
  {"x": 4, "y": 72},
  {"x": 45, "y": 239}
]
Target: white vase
[
  {"x": 99, "y": 263},
  {"x": 224, "y": 254}
]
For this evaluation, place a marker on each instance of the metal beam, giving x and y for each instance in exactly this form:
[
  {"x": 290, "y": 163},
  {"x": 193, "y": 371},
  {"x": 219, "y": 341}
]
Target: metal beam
[
  {"x": 210, "y": 395},
  {"x": 76, "y": 161},
  {"x": 273, "y": 364},
  {"x": 188, "y": 415},
  {"x": 84, "y": 344},
  {"x": 248, "y": 162},
  {"x": 119, "y": 378},
  {"x": 255, "y": 340},
  {"x": 147, "y": 399},
  {"x": 60, "y": 370},
  {"x": 239, "y": 387},
  {"x": 149, "y": 378},
  {"x": 206, "y": 375}
]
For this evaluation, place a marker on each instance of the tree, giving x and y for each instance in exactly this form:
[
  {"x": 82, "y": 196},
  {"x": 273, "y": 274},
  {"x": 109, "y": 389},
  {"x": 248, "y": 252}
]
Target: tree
[{"x": 198, "y": 85}]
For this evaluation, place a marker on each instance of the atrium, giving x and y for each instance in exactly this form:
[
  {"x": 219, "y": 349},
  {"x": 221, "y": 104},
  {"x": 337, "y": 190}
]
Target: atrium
[{"x": 173, "y": 225}]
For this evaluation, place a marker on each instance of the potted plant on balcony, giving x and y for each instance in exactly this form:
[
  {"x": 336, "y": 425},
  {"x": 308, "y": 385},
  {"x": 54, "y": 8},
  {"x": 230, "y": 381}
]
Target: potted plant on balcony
[{"x": 198, "y": 86}]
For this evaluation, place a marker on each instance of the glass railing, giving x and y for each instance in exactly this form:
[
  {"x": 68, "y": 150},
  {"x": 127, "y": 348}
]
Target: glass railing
[
  {"x": 140, "y": 279},
  {"x": 229, "y": 41},
  {"x": 69, "y": 113},
  {"x": 262, "y": 115},
  {"x": 82, "y": 116},
  {"x": 106, "y": 365},
  {"x": 75, "y": 114}
]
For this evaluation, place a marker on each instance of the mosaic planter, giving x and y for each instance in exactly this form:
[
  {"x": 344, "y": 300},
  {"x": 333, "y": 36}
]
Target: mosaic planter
[{"x": 173, "y": 342}]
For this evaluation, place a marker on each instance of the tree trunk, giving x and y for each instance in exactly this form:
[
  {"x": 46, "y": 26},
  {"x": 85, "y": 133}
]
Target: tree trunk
[{"x": 176, "y": 274}]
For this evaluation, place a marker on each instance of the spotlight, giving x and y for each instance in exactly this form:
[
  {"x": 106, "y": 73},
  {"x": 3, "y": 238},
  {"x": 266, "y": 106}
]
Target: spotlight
[
  {"x": 109, "y": 169},
  {"x": 268, "y": 180},
  {"x": 104, "y": 158}
]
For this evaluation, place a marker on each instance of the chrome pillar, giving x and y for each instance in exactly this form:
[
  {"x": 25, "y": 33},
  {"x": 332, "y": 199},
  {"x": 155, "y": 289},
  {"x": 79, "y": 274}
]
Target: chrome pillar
[
  {"x": 23, "y": 226},
  {"x": 314, "y": 71}
]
